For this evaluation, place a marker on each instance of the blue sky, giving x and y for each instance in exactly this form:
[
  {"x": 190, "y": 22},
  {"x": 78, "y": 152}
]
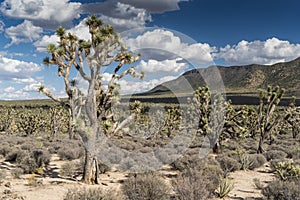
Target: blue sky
[{"x": 172, "y": 35}]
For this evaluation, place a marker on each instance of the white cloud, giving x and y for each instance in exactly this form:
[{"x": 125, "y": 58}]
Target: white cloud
[
  {"x": 131, "y": 87},
  {"x": 11, "y": 68},
  {"x": 165, "y": 41},
  {"x": 169, "y": 66},
  {"x": 25, "y": 32},
  {"x": 44, "y": 13},
  {"x": 9, "y": 89},
  {"x": 33, "y": 87},
  {"x": 259, "y": 52},
  {"x": 81, "y": 30},
  {"x": 24, "y": 80},
  {"x": 128, "y": 17}
]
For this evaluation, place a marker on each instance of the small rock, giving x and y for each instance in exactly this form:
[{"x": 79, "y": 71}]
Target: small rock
[
  {"x": 7, "y": 191},
  {"x": 8, "y": 185}
]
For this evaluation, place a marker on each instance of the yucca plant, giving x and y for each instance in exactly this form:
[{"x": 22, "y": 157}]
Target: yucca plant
[{"x": 225, "y": 187}]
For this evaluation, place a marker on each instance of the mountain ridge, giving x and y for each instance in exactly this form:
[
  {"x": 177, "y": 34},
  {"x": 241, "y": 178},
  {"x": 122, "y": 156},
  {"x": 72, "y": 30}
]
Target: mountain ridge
[{"x": 235, "y": 79}]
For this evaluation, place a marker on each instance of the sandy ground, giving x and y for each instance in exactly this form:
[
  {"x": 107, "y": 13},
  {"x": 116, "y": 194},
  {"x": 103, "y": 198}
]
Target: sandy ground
[{"x": 55, "y": 188}]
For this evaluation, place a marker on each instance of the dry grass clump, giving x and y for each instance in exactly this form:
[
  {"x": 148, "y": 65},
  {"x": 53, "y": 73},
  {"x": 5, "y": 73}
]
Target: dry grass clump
[
  {"x": 191, "y": 185},
  {"x": 92, "y": 194},
  {"x": 145, "y": 186}
]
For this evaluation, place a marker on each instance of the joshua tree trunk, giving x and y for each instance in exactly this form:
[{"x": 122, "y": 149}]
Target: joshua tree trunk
[
  {"x": 91, "y": 169},
  {"x": 260, "y": 148}
]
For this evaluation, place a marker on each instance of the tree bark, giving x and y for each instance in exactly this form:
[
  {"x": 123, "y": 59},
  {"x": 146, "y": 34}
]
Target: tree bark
[
  {"x": 91, "y": 169},
  {"x": 260, "y": 148}
]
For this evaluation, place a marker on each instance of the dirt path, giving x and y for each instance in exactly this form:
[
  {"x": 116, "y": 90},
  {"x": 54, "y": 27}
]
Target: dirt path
[
  {"x": 244, "y": 186},
  {"x": 55, "y": 187}
]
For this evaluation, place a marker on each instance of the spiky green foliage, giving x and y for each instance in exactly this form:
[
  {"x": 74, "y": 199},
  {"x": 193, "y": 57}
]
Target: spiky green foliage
[
  {"x": 288, "y": 170},
  {"x": 211, "y": 111},
  {"x": 225, "y": 187},
  {"x": 268, "y": 118}
]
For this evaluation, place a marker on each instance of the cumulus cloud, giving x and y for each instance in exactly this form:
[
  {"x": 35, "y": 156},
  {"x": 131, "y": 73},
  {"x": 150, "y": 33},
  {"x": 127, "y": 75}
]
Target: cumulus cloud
[
  {"x": 81, "y": 30},
  {"x": 153, "y": 6},
  {"x": 9, "y": 89},
  {"x": 131, "y": 87},
  {"x": 259, "y": 52},
  {"x": 10, "y": 68},
  {"x": 120, "y": 15},
  {"x": 25, "y": 32},
  {"x": 43, "y": 13},
  {"x": 165, "y": 66},
  {"x": 24, "y": 80},
  {"x": 162, "y": 41}
]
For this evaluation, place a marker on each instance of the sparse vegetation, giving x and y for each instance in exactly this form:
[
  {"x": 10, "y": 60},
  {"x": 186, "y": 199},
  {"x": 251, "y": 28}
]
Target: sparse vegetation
[{"x": 145, "y": 186}]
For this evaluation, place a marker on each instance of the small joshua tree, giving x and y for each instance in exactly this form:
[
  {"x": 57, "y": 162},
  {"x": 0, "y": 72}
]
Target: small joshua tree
[
  {"x": 211, "y": 111},
  {"x": 268, "y": 117},
  {"x": 91, "y": 114}
]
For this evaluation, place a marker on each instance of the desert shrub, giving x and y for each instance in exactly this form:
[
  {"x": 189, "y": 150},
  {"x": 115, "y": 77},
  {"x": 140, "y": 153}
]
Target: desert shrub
[
  {"x": 191, "y": 185},
  {"x": 145, "y": 186},
  {"x": 282, "y": 190},
  {"x": 4, "y": 149},
  {"x": 68, "y": 169},
  {"x": 189, "y": 162},
  {"x": 14, "y": 154},
  {"x": 166, "y": 156},
  {"x": 70, "y": 153},
  {"x": 17, "y": 172},
  {"x": 294, "y": 153},
  {"x": 27, "y": 163},
  {"x": 258, "y": 160},
  {"x": 275, "y": 154},
  {"x": 211, "y": 170},
  {"x": 91, "y": 194},
  {"x": 41, "y": 156},
  {"x": 103, "y": 168},
  {"x": 228, "y": 164},
  {"x": 287, "y": 170}
]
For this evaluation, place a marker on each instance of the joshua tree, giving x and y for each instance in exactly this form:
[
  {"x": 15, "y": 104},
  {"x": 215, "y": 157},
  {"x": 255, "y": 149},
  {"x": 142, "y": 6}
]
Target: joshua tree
[
  {"x": 91, "y": 111},
  {"x": 211, "y": 111},
  {"x": 268, "y": 118}
]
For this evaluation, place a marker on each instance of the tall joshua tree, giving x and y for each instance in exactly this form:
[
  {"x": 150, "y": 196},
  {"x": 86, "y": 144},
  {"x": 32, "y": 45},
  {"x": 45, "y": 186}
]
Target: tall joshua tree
[{"x": 91, "y": 114}]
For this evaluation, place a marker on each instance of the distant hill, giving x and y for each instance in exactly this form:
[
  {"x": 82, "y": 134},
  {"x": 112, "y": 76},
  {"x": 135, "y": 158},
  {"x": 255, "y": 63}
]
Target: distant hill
[{"x": 237, "y": 79}]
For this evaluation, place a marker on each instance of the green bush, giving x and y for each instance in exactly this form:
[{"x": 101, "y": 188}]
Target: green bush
[
  {"x": 145, "y": 186},
  {"x": 288, "y": 170}
]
